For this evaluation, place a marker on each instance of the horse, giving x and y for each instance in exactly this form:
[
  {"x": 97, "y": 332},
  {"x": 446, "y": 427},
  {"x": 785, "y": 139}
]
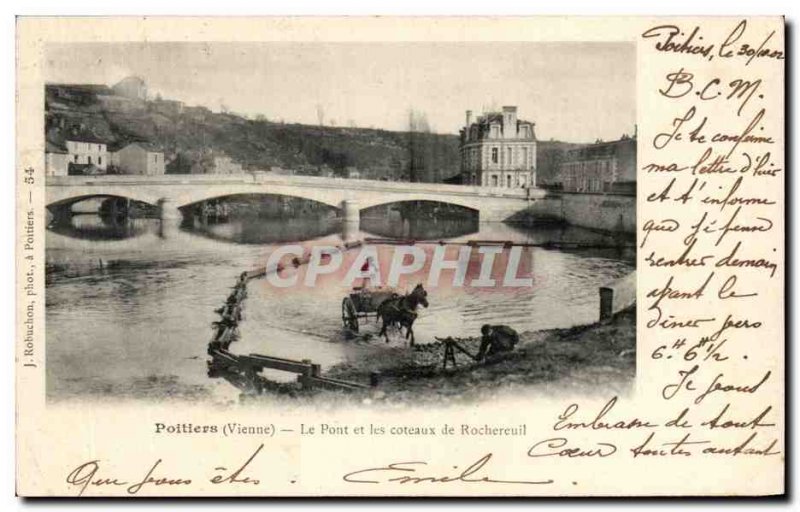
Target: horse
[{"x": 402, "y": 310}]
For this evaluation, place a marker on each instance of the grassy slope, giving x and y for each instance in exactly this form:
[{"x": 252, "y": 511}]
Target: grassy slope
[{"x": 261, "y": 143}]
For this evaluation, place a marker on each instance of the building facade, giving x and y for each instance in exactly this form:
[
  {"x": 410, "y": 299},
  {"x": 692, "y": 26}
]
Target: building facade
[
  {"x": 169, "y": 108},
  {"x": 224, "y": 164},
  {"x": 498, "y": 150},
  {"x": 87, "y": 151},
  {"x": 139, "y": 158},
  {"x": 56, "y": 160},
  {"x": 603, "y": 167}
]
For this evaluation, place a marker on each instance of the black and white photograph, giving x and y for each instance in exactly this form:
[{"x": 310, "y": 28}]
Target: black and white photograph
[
  {"x": 387, "y": 256},
  {"x": 363, "y": 223}
]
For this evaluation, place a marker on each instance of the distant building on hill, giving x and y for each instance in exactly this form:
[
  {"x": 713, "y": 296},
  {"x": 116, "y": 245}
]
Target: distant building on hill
[
  {"x": 56, "y": 159},
  {"x": 603, "y": 167},
  {"x": 549, "y": 155},
  {"x": 197, "y": 112},
  {"x": 325, "y": 171},
  {"x": 498, "y": 150},
  {"x": 114, "y": 103},
  {"x": 87, "y": 149},
  {"x": 280, "y": 171},
  {"x": 223, "y": 164},
  {"x": 167, "y": 107},
  {"x": 139, "y": 158},
  {"x": 132, "y": 87},
  {"x": 352, "y": 173},
  {"x": 73, "y": 93}
]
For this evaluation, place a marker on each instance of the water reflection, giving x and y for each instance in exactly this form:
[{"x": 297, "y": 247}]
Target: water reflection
[
  {"x": 419, "y": 220},
  {"x": 418, "y": 229},
  {"x": 260, "y": 230},
  {"x": 92, "y": 226},
  {"x": 129, "y": 307}
]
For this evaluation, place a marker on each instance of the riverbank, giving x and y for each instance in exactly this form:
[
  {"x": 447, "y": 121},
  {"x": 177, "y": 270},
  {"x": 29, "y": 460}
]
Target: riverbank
[
  {"x": 579, "y": 360},
  {"x": 609, "y": 213}
]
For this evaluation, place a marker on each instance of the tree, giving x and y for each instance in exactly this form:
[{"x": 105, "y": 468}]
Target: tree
[
  {"x": 320, "y": 114},
  {"x": 419, "y": 150}
]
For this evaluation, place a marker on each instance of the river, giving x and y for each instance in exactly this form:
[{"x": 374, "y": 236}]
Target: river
[{"x": 130, "y": 303}]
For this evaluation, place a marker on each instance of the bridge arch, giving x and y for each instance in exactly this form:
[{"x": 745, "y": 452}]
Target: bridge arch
[
  {"x": 172, "y": 192},
  {"x": 250, "y": 194},
  {"x": 194, "y": 195},
  {"x": 69, "y": 200},
  {"x": 464, "y": 202}
]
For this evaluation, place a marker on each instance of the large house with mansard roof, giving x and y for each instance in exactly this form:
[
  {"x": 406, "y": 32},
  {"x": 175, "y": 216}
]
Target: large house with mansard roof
[{"x": 498, "y": 150}]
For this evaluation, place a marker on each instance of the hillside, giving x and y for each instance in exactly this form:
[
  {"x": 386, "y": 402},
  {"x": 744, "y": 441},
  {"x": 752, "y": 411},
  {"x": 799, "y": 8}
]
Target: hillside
[{"x": 188, "y": 134}]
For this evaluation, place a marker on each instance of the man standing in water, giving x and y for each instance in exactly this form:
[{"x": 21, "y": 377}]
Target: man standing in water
[
  {"x": 368, "y": 271},
  {"x": 496, "y": 339}
]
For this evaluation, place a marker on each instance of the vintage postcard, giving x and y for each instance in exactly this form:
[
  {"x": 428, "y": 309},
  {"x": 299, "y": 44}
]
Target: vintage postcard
[{"x": 400, "y": 256}]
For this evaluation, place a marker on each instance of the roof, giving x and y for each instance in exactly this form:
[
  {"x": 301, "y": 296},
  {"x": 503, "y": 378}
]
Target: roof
[
  {"x": 496, "y": 117},
  {"x": 147, "y": 146},
  {"x": 132, "y": 78},
  {"x": 94, "y": 88},
  {"x": 84, "y": 137},
  {"x": 601, "y": 149}
]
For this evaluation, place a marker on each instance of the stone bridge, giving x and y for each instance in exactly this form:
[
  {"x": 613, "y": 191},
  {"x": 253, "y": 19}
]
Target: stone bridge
[{"x": 173, "y": 192}]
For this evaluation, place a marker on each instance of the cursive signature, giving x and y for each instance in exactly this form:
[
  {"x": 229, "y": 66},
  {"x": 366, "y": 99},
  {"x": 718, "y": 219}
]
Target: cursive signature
[
  {"x": 407, "y": 472},
  {"x": 87, "y": 474},
  {"x": 90, "y": 474}
]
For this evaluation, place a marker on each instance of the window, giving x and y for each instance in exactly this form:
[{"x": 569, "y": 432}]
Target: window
[
  {"x": 494, "y": 155},
  {"x": 76, "y": 159},
  {"x": 495, "y": 131},
  {"x": 510, "y": 157},
  {"x": 524, "y": 157},
  {"x": 89, "y": 159},
  {"x": 99, "y": 147},
  {"x": 494, "y": 180},
  {"x": 99, "y": 160},
  {"x": 508, "y": 181}
]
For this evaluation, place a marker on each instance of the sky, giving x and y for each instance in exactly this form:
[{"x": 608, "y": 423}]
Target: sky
[{"x": 576, "y": 92}]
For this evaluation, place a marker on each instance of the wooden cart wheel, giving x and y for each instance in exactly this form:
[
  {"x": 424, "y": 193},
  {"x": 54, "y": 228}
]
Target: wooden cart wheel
[{"x": 349, "y": 315}]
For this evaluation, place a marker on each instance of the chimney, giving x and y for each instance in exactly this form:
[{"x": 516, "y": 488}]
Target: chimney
[
  {"x": 469, "y": 118},
  {"x": 510, "y": 117}
]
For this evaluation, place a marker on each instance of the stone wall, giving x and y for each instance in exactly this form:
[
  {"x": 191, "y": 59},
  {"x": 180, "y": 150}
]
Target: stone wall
[{"x": 605, "y": 212}]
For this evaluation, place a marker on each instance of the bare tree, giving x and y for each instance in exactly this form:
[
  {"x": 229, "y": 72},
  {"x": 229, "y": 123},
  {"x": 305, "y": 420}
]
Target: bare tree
[
  {"x": 419, "y": 159},
  {"x": 320, "y": 114}
]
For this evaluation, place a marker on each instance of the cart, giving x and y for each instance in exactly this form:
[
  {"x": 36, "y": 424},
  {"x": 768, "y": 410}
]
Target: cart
[{"x": 363, "y": 303}]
